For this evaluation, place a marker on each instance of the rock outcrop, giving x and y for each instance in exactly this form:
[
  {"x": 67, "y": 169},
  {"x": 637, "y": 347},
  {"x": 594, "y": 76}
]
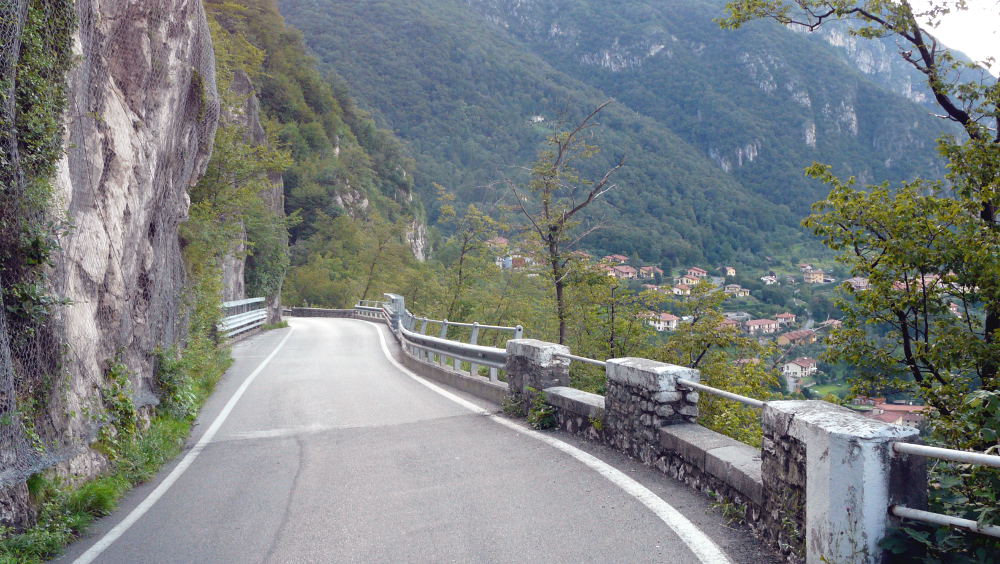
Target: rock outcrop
[{"x": 141, "y": 117}]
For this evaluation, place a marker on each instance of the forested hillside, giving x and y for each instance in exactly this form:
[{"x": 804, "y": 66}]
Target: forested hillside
[
  {"x": 716, "y": 126},
  {"x": 347, "y": 184}
]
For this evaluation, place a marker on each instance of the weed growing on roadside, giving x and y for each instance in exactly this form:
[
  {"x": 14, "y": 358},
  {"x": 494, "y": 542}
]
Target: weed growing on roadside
[{"x": 541, "y": 415}]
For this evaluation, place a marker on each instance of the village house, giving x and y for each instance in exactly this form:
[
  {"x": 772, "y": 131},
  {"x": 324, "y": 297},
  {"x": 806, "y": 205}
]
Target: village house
[
  {"x": 663, "y": 321},
  {"x": 730, "y": 271},
  {"x": 805, "y": 267},
  {"x": 681, "y": 290},
  {"x": 624, "y": 272},
  {"x": 697, "y": 272},
  {"x": 762, "y": 326},
  {"x": 954, "y": 309},
  {"x": 729, "y": 324},
  {"x": 769, "y": 280},
  {"x": 796, "y": 370},
  {"x": 800, "y": 337},
  {"x": 831, "y": 323},
  {"x": 898, "y": 414},
  {"x": 687, "y": 279},
  {"x": 648, "y": 272},
  {"x": 813, "y": 277},
  {"x": 616, "y": 259},
  {"x": 858, "y": 284},
  {"x": 785, "y": 318},
  {"x": 736, "y": 290}
]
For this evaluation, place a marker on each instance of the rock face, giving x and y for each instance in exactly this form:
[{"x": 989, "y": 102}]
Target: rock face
[{"x": 141, "y": 117}]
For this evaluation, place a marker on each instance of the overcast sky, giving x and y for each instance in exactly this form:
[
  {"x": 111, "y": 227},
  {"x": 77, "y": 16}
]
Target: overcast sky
[{"x": 975, "y": 32}]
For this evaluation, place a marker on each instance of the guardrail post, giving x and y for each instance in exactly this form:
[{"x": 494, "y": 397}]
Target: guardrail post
[
  {"x": 474, "y": 340},
  {"x": 642, "y": 396},
  {"x": 531, "y": 364},
  {"x": 830, "y": 475},
  {"x": 423, "y": 326}
]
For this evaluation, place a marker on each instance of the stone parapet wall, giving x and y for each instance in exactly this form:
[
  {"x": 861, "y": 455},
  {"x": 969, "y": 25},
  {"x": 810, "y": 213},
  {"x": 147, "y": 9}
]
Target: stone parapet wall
[
  {"x": 578, "y": 412},
  {"x": 642, "y": 397},
  {"x": 533, "y": 364},
  {"x": 783, "y": 468},
  {"x": 830, "y": 476}
]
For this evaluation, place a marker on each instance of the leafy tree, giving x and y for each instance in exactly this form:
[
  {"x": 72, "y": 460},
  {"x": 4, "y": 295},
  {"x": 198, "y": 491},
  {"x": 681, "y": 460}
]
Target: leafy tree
[
  {"x": 471, "y": 231},
  {"x": 560, "y": 194},
  {"x": 930, "y": 321}
]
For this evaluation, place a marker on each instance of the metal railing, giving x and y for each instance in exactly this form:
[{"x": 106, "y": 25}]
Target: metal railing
[
  {"x": 962, "y": 456},
  {"x": 242, "y": 316},
  {"x": 582, "y": 359},
  {"x": 683, "y": 382},
  {"x": 441, "y": 349},
  {"x": 755, "y": 403}
]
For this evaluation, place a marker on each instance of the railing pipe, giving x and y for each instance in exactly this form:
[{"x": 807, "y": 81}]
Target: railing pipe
[
  {"x": 721, "y": 393},
  {"x": 948, "y": 454},
  {"x": 946, "y": 520},
  {"x": 581, "y": 359}
]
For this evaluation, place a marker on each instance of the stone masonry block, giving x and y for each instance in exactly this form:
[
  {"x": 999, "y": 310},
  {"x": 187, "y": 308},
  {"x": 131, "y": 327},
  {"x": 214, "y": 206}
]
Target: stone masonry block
[
  {"x": 649, "y": 375},
  {"x": 538, "y": 352},
  {"x": 848, "y": 462}
]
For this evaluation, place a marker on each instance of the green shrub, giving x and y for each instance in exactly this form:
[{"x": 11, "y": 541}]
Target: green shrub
[{"x": 541, "y": 415}]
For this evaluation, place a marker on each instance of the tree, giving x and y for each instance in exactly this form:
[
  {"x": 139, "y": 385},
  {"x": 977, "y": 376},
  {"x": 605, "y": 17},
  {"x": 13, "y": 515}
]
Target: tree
[
  {"x": 560, "y": 196},
  {"x": 472, "y": 229},
  {"x": 930, "y": 321}
]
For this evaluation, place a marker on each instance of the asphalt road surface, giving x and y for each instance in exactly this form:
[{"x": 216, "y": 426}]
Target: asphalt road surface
[{"x": 334, "y": 454}]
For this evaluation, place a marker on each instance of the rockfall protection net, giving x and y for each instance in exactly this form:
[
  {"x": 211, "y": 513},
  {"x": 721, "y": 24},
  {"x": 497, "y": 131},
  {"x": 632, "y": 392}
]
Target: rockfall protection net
[{"x": 22, "y": 342}]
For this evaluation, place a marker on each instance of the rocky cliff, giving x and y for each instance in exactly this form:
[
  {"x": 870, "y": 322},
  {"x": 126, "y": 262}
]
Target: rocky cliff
[
  {"x": 140, "y": 119},
  {"x": 246, "y": 115}
]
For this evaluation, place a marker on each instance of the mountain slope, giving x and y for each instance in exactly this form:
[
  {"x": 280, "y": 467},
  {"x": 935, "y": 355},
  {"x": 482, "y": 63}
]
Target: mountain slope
[{"x": 716, "y": 126}]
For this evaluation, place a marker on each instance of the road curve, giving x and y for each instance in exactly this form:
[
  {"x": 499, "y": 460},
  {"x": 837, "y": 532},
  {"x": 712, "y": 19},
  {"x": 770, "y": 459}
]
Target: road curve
[{"x": 334, "y": 454}]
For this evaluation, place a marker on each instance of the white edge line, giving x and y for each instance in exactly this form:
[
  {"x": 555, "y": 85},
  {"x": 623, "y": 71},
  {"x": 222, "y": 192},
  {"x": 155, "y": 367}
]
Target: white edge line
[
  {"x": 703, "y": 547},
  {"x": 111, "y": 536}
]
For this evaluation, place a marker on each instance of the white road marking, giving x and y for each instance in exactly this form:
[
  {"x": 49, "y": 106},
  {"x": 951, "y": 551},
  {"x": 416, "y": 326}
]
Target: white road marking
[
  {"x": 141, "y": 509},
  {"x": 703, "y": 547}
]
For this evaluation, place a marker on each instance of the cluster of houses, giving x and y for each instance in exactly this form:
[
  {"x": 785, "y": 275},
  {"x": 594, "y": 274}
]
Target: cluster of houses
[
  {"x": 895, "y": 413},
  {"x": 618, "y": 267}
]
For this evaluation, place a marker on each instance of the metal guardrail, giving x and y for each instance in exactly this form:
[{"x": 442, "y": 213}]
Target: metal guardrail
[
  {"x": 686, "y": 383},
  {"x": 242, "y": 316},
  {"x": 946, "y": 520},
  {"x": 441, "y": 349},
  {"x": 582, "y": 359},
  {"x": 756, "y": 403},
  {"x": 962, "y": 456}
]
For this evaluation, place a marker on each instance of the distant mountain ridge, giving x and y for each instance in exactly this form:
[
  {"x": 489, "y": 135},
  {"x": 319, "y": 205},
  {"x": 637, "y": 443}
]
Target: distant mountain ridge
[{"x": 716, "y": 126}]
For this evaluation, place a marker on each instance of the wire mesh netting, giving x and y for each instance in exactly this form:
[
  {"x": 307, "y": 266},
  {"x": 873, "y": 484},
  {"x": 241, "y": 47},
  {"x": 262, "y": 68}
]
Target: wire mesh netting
[{"x": 26, "y": 341}]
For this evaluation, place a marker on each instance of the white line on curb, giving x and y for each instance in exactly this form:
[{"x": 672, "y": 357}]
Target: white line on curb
[
  {"x": 140, "y": 510},
  {"x": 698, "y": 542}
]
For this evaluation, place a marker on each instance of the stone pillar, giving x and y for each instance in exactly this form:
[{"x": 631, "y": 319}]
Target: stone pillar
[
  {"x": 827, "y": 486},
  {"x": 642, "y": 396},
  {"x": 531, "y": 364}
]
